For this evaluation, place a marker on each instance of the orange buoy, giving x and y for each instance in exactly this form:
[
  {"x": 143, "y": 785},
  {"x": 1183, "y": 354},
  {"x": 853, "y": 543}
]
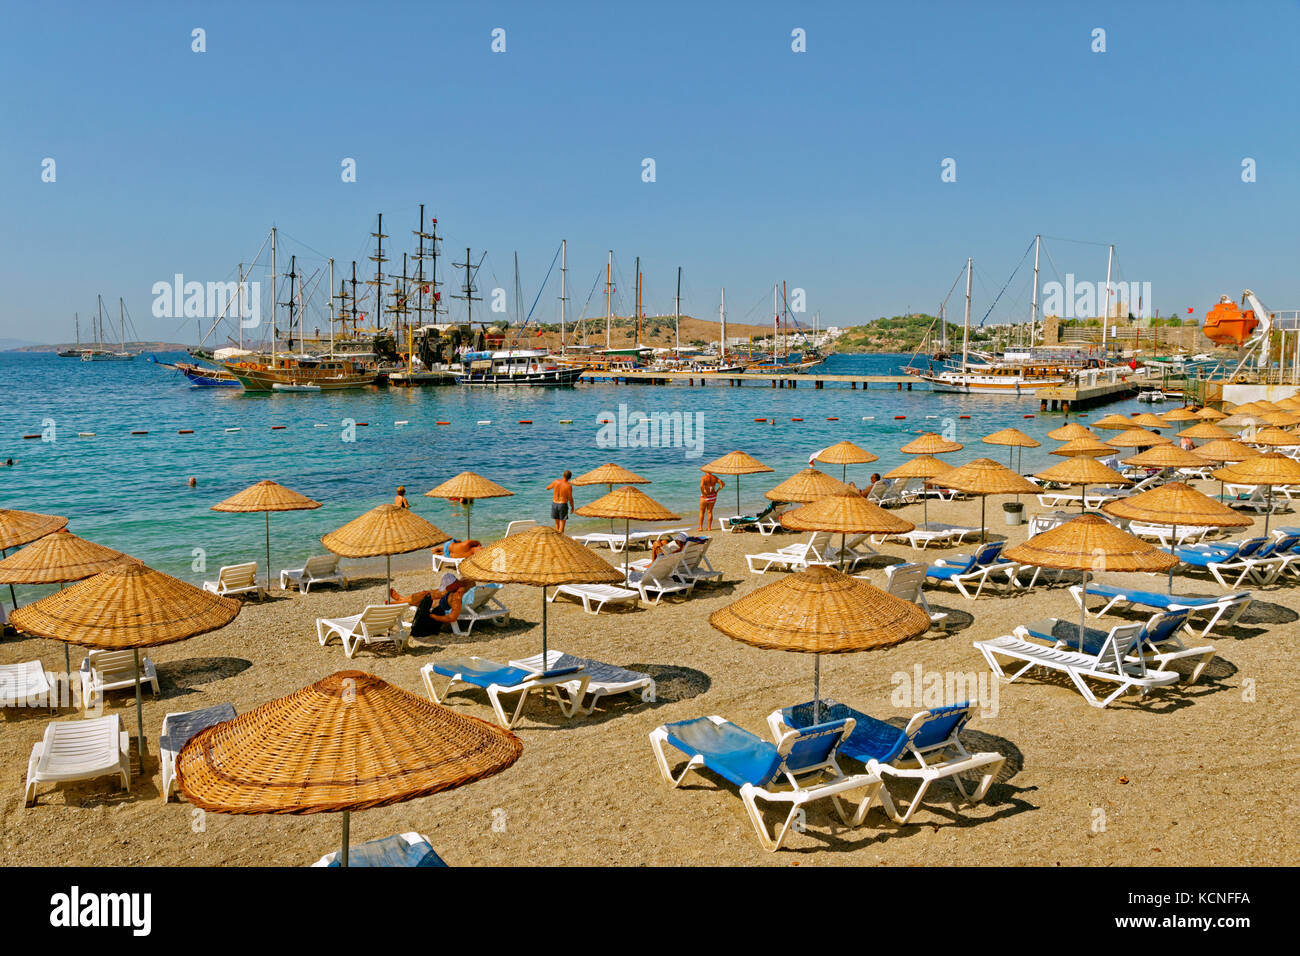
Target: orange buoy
[
  {"x": 277, "y": 428},
  {"x": 899, "y": 418},
  {"x": 525, "y": 421},
  {"x": 442, "y": 423},
  {"x": 139, "y": 433},
  {"x": 796, "y": 419},
  {"x": 760, "y": 419},
  {"x": 1029, "y": 416},
  {"x": 832, "y": 419},
  {"x": 31, "y": 436},
  {"x": 963, "y": 416},
  {"x": 186, "y": 431}
]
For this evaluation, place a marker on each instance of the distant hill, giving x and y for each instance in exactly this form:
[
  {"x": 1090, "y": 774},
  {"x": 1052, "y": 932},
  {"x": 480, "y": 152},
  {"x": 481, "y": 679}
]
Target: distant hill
[
  {"x": 901, "y": 333},
  {"x": 12, "y": 345},
  {"x": 657, "y": 331},
  {"x": 136, "y": 347}
]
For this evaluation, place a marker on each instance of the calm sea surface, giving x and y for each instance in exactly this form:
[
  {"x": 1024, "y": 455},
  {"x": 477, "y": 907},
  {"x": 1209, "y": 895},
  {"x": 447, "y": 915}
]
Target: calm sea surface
[{"x": 130, "y": 491}]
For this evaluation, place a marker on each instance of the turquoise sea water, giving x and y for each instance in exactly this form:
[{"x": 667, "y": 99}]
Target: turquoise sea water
[{"x": 130, "y": 492}]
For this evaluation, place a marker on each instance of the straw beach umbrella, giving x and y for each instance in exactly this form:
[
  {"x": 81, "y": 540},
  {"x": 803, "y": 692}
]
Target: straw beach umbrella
[
  {"x": 1176, "y": 503},
  {"x": 384, "y": 530},
  {"x": 925, "y": 467},
  {"x": 1082, "y": 471},
  {"x": 1166, "y": 456},
  {"x": 630, "y": 504},
  {"x": 1148, "y": 420},
  {"x": 540, "y": 557},
  {"x": 351, "y": 741},
  {"x": 820, "y": 611},
  {"x": 846, "y": 514},
  {"x": 845, "y": 453},
  {"x": 1088, "y": 447},
  {"x": 266, "y": 496},
  {"x": 1224, "y": 451},
  {"x": 1205, "y": 431},
  {"x": 1180, "y": 415},
  {"x": 610, "y": 475},
  {"x": 1271, "y": 469},
  {"x": 1137, "y": 438},
  {"x": 23, "y": 527},
  {"x": 467, "y": 487},
  {"x": 985, "y": 477},
  {"x": 129, "y": 606},
  {"x": 1282, "y": 419},
  {"x": 930, "y": 443},
  {"x": 1113, "y": 422},
  {"x": 59, "y": 558},
  {"x": 1090, "y": 543},
  {"x": 1013, "y": 438},
  {"x": 807, "y": 485},
  {"x": 1273, "y": 437},
  {"x": 1208, "y": 414},
  {"x": 735, "y": 463},
  {"x": 1071, "y": 432}
]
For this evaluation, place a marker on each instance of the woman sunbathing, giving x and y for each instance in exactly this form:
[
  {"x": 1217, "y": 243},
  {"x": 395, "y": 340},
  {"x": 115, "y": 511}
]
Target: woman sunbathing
[
  {"x": 460, "y": 549},
  {"x": 434, "y": 610}
]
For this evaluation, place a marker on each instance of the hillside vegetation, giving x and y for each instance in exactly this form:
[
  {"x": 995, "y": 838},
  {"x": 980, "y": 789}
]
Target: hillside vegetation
[{"x": 900, "y": 333}]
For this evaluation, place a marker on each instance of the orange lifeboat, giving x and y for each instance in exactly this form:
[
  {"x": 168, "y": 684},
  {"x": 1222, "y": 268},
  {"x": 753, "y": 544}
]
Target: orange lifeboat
[{"x": 1226, "y": 324}]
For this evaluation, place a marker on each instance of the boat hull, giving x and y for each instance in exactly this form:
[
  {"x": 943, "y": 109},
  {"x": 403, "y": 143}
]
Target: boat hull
[
  {"x": 539, "y": 379},
  {"x": 265, "y": 380},
  {"x": 977, "y": 386}
]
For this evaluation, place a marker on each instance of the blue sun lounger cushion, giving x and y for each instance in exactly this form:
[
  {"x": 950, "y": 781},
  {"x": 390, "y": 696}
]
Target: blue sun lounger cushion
[
  {"x": 391, "y": 851},
  {"x": 733, "y": 752},
  {"x": 1094, "y": 638},
  {"x": 1160, "y": 599},
  {"x": 871, "y": 739},
  {"x": 470, "y": 671}
]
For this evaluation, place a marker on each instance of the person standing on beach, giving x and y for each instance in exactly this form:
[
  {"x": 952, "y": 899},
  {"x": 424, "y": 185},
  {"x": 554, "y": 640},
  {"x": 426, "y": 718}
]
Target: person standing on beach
[
  {"x": 710, "y": 485},
  {"x": 400, "y": 500},
  {"x": 561, "y": 500}
]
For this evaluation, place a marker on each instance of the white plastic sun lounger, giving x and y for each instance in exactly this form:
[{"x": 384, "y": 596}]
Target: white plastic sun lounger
[
  {"x": 597, "y": 594},
  {"x": 521, "y": 524},
  {"x": 497, "y": 679},
  {"x": 480, "y": 603},
  {"x": 1159, "y": 643},
  {"x": 907, "y": 581},
  {"x": 1225, "y": 609},
  {"x": 378, "y": 623},
  {"x": 1111, "y": 665},
  {"x": 925, "y": 534},
  {"x": 856, "y": 550},
  {"x": 79, "y": 750},
  {"x": 796, "y": 557},
  {"x": 659, "y": 578},
  {"x": 420, "y": 849},
  {"x": 1163, "y": 533},
  {"x": 26, "y": 685},
  {"x": 177, "y": 729},
  {"x": 235, "y": 579},
  {"x": 603, "y": 680},
  {"x": 694, "y": 566},
  {"x": 319, "y": 569},
  {"x": 102, "y": 671},
  {"x": 615, "y": 542}
]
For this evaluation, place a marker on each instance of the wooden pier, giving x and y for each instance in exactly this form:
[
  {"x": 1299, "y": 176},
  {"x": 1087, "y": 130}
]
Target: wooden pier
[
  {"x": 1064, "y": 398},
  {"x": 737, "y": 379}
]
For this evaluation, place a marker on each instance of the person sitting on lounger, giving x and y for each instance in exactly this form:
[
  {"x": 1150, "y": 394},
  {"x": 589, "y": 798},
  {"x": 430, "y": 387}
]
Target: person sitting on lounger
[
  {"x": 751, "y": 519},
  {"x": 434, "y": 610},
  {"x": 670, "y": 545},
  {"x": 866, "y": 491},
  {"x": 460, "y": 549}
]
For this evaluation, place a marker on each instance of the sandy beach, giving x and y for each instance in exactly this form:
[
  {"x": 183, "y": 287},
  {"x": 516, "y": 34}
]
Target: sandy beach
[{"x": 1198, "y": 775}]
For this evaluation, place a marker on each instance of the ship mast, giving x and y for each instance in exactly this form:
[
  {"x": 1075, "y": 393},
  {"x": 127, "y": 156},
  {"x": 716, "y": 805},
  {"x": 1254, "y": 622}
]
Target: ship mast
[
  {"x": 378, "y": 282},
  {"x": 292, "y": 275},
  {"x": 564, "y": 260},
  {"x": 609, "y": 269},
  {"x": 677, "y": 313},
  {"x": 354, "y": 298},
  {"x": 76, "y": 323},
  {"x": 275, "y": 278},
  {"x": 722, "y": 309},
  {"x": 329, "y": 292},
  {"x": 1105, "y": 316},
  {"x": 469, "y": 296},
  {"x": 1033, "y": 307},
  {"x": 99, "y": 327},
  {"x": 638, "y": 306},
  {"x": 785, "y": 324},
  {"x": 776, "y": 318},
  {"x": 965, "y": 331}
]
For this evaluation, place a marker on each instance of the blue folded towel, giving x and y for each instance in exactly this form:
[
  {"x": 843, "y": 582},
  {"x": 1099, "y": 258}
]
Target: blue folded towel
[{"x": 391, "y": 851}]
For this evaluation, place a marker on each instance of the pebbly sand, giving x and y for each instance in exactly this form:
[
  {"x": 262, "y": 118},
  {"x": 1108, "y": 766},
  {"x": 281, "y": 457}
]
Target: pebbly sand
[{"x": 1200, "y": 775}]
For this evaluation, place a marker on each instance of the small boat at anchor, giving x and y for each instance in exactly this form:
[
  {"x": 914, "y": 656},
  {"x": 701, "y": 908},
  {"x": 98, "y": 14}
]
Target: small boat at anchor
[{"x": 295, "y": 387}]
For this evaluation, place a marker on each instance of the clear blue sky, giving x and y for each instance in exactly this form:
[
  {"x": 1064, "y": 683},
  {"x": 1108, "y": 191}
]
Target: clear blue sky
[{"x": 820, "y": 168}]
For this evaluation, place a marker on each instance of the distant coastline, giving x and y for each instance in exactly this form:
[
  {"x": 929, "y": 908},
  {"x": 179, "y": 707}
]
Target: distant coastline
[{"x": 136, "y": 347}]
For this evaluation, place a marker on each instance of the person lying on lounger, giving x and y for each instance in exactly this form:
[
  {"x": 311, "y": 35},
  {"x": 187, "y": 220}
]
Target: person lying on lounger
[
  {"x": 437, "y": 609},
  {"x": 751, "y": 519},
  {"x": 460, "y": 549},
  {"x": 670, "y": 545}
]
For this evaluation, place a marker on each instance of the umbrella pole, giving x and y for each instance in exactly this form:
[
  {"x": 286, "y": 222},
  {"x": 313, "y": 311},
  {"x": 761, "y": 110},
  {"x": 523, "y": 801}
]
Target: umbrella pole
[
  {"x": 1173, "y": 546},
  {"x": 1269, "y": 513},
  {"x": 544, "y": 654},
  {"x": 738, "y": 494},
  {"x": 343, "y": 853},
  {"x": 268, "y": 551},
  {"x": 13, "y": 598},
  {"x": 610, "y": 490},
  {"x": 983, "y": 523},
  {"x": 469, "y": 503},
  {"x": 1083, "y": 608},
  {"x": 139, "y": 708},
  {"x": 817, "y": 688},
  {"x": 626, "y": 572},
  {"x": 388, "y": 577}
]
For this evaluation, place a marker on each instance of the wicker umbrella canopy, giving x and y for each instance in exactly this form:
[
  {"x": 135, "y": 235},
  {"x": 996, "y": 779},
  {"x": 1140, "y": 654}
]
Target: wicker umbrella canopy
[
  {"x": 384, "y": 530},
  {"x": 1176, "y": 503},
  {"x": 630, "y": 504},
  {"x": 1082, "y": 470},
  {"x": 985, "y": 477},
  {"x": 611, "y": 474},
  {"x": 1014, "y": 439},
  {"x": 1250, "y": 408},
  {"x": 845, "y": 515},
  {"x": 1205, "y": 431},
  {"x": 540, "y": 557},
  {"x": 266, "y": 496},
  {"x": 129, "y": 606},
  {"x": 1071, "y": 432},
  {"x": 22, "y": 527},
  {"x": 820, "y": 611},
  {"x": 1148, "y": 420},
  {"x": 1273, "y": 437},
  {"x": 1282, "y": 419},
  {"x": 1136, "y": 438},
  {"x": 465, "y": 488},
  {"x": 1180, "y": 415},
  {"x": 735, "y": 463},
  {"x": 1166, "y": 456},
  {"x": 845, "y": 453},
  {"x": 1226, "y": 450},
  {"x": 930, "y": 443},
  {"x": 1113, "y": 422},
  {"x": 1269, "y": 469},
  {"x": 807, "y": 485},
  {"x": 351, "y": 741},
  {"x": 1086, "y": 447},
  {"x": 58, "y": 558},
  {"x": 1237, "y": 421},
  {"x": 1090, "y": 543},
  {"x": 922, "y": 466},
  {"x": 1208, "y": 414},
  {"x": 1291, "y": 403}
]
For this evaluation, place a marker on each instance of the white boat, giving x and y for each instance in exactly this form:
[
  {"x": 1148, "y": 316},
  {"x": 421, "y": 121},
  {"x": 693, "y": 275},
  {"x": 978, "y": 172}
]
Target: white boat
[
  {"x": 516, "y": 367},
  {"x": 1151, "y": 395},
  {"x": 295, "y": 387},
  {"x": 99, "y": 353}
]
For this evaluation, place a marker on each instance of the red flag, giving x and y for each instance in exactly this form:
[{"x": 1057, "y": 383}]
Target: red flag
[
  {"x": 437, "y": 297},
  {"x": 424, "y": 288},
  {"x": 1190, "y": 310}
]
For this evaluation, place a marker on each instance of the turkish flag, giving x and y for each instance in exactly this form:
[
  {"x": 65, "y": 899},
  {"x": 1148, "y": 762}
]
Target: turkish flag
[
  {"x": 1190, "y": 310},
  {"x": 437, "y": 297},
  {"x": 424, "y": 288}
]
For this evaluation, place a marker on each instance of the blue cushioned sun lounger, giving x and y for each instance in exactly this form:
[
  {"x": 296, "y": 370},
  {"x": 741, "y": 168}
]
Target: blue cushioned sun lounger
[
  {"x": 1224, "y": 608},
  {"x": 1158, "y": 641},
  {"x": 497, "y": 679}
]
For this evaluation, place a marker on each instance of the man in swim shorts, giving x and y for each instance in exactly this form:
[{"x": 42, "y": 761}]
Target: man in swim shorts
[{"x": 561, "y": 500}]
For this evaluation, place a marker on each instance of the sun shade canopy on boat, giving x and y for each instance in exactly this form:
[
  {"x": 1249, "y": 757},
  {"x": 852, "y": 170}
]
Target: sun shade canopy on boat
[
  {"x": 266, "y": 496},
  {"x": 57, "y": 558},
  {"x": 820, "y": 611},
  {"x": 808, "y": 485},
  {"x": 1176, "y": 503},
  {"x": 384, "y": 530},
  {"x": 127, "y": 606},
  {"x": 22, "y": 527},
  {"x": 350, "y": 741},
  {"x": 541, "y": 557},
  {"x": 845, "y": 514},
  {"x": 468, "y": 485},
  {"x": 1090, "y": 543}
]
